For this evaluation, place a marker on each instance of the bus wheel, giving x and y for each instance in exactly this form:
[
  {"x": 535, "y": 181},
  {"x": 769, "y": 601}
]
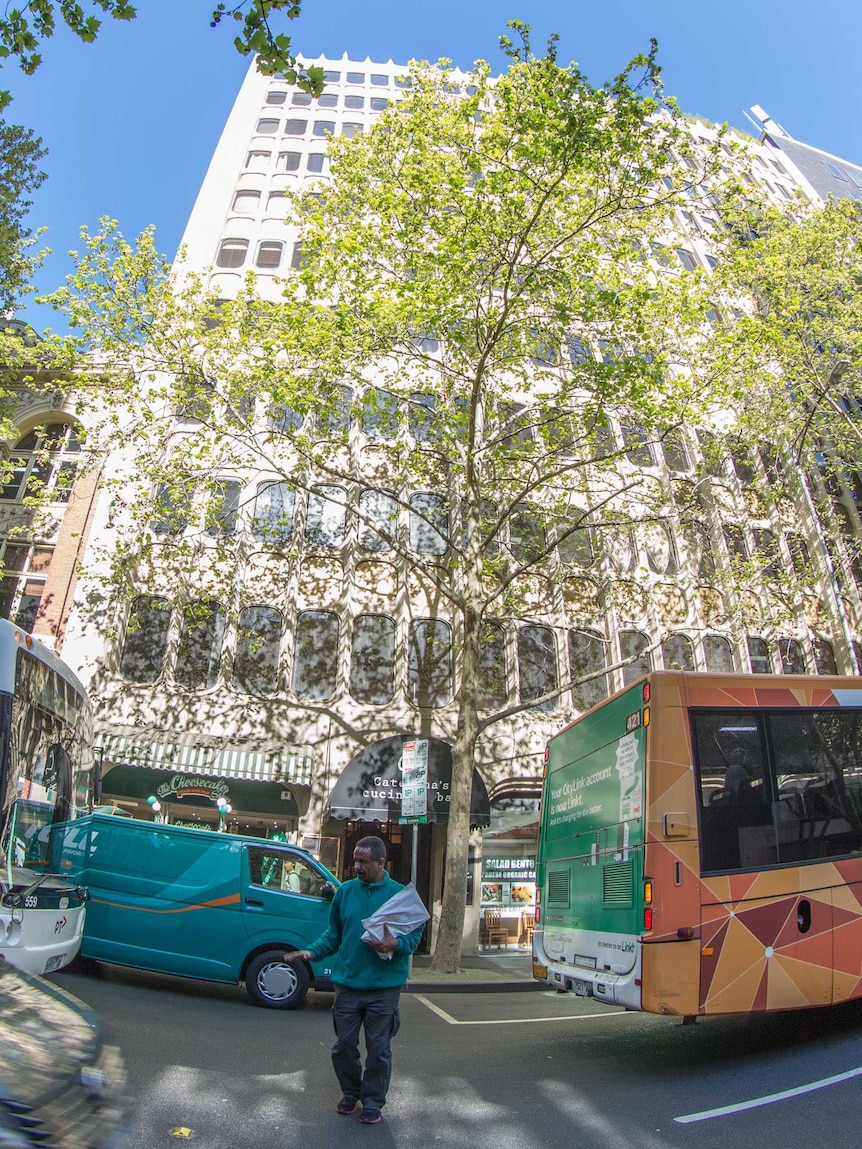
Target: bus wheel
[{"x": 272, "y": 982}]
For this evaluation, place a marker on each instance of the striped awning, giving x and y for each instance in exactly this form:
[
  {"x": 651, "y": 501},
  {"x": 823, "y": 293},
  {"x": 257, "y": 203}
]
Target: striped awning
[{"x": 194, "y": 753}]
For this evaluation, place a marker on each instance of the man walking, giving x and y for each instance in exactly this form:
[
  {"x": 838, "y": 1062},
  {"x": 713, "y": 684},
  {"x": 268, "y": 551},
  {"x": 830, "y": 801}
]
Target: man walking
[{"x": 367, "y": 982}]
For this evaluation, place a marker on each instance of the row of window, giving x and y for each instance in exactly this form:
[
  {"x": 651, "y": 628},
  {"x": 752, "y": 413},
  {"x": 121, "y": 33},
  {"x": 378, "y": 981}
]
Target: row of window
[
  {"x": 532, "y": 650},
  {"x": 269, "y": 126}
]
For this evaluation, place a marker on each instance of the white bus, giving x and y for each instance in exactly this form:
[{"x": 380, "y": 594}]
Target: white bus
[{"x": 47, "y": 775}]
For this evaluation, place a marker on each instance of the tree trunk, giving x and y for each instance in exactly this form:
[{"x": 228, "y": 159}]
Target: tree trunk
[{"x": 447, "y": 952}]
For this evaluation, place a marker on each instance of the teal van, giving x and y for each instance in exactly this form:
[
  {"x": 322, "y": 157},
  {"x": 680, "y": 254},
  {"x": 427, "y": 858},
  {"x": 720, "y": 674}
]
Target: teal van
[{"x": 218, "y": 907}]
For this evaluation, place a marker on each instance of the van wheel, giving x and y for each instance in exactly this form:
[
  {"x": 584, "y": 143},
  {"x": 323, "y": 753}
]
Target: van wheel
[{"x": 272, "y": 982}]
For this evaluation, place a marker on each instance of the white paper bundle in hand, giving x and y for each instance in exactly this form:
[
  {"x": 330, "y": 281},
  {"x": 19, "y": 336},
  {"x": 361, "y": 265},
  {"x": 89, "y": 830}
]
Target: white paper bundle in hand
[{"x": 402, "y": 914}]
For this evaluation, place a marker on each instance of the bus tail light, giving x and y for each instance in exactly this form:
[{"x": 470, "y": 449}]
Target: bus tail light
[
  {"x": 648, "y": 892},
  {"x": 538, "y": 916},
  {"x": 647, "y": 918}
]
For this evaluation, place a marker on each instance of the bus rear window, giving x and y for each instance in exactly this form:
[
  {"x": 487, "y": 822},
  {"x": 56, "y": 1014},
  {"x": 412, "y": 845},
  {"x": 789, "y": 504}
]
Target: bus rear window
[{"x": 777, "y": 787}]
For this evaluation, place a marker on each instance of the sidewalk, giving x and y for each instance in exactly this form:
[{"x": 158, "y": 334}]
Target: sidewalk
[{"x": 488, "y": 971}]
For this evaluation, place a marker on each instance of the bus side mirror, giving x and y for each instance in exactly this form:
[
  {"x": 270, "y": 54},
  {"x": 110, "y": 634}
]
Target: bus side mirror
[{"x": 327, "y": 891}]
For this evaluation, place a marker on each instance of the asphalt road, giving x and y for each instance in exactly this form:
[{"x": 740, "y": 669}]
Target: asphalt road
[{"x": 492, "y": 1070}]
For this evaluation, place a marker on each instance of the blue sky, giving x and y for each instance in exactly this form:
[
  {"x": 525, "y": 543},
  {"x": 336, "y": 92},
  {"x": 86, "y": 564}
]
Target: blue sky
[{"x": 132, "y": 120}]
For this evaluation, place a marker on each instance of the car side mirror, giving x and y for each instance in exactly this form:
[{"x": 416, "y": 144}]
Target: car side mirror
[{"x": 327, "y": 891}]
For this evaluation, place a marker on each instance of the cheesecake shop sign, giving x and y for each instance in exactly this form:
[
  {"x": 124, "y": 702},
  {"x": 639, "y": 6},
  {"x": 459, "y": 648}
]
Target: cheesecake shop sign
[
  {"x": 193, "y": 786},
  {"x": 399, "y": 774}
]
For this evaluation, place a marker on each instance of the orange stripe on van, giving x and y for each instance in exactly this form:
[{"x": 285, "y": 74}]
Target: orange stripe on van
[{"x": 231, "y": 899}]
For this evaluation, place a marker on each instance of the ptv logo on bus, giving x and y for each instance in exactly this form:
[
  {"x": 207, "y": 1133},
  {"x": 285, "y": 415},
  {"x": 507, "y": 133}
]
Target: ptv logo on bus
[{"x": 60, "y": 925}]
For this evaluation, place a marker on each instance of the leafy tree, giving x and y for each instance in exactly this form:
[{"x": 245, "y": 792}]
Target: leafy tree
[
  {"x": 480, "y": 287},
  {"x": 23, "y": 29},
  {"x": 20, "y": 175},
  {"x": 792, "y": 337}
]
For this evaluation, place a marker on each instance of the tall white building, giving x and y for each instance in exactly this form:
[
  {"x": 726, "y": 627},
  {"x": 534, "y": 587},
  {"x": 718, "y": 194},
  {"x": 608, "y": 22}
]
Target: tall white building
[{"x": 313, "y": 748}]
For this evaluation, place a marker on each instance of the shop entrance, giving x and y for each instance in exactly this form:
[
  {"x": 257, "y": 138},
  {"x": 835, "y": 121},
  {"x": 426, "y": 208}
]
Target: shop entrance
[{"x": 399, "y": 847}]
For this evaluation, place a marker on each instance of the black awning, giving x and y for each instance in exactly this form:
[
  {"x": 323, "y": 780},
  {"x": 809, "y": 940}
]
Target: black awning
[
  {"x": 141, "y": 782},
  {"x": 369, "y": 789}
]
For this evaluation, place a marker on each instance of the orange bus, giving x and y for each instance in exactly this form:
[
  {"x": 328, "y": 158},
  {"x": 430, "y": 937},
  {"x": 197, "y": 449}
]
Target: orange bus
[{"x": 700, "y": 849}]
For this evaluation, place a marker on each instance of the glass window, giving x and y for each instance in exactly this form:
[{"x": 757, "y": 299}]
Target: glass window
[
  {"x": 635, "y": 654},
  {"x": 295, "y": 127},
  {"x": 289, "y": 161},
  {"x": 323, "y": 128},
  {"x": 267, "y": 127},
  {"x": 379, "y": 81},
  {"x": 258, "y": 160},
  {"x": 824, "y": 657},
  {"x": 255, "y": 666},
  {"x": 334, "y": 415},
  {"x": 354, "y": 102},
  {"x": 232, "y": 253},
  {"x": 587, "y": 656},
  {"x": 429, "y": 523},
  {"x": 429, "y": 663},
  {"x": 379, "y": 414},
  {"x": 620, "y": 547},
  {"x": 579, "y": 352},
  {"x": 276, "y": 204},
  {"x": 283, "y": 419},
  {"x": 378, "y": 103},
  {"x": 718, "y": 654},
  {"x": 372, "y": 659},
  {"x": 356, "y": 77},
  {"x": 349, "y": 130},
  {"x": 200, "y": 645},
  {"x": 493, "y": 685},
  {"x": 378, "y": 522},
  {"x": 269, "y": 253},
  {"x": 273, "y": 512},
  {"x": 315, "y": 655},
  {"x": 686, "y": 259},
  {"x": 296, "y": 258},
  {"x": 735, "y": 541},
  {"x": 326, "y": 520},
  {"x": 223, "y": 509},
  {"x": 637, "y": 446},
  {"x": 330, "y": 77},
  {"x": 743, "y": 464},
  {"x": 792, "y": 656},
  {"x": 660, "y": 549},
  {"x": 766, "y": 545},
  {"x": 677, "y": 653},
  {"x": 576, "y": 548},
  {"x": 527, "y": 540},
  {"x": 537, "y": 666},
  {"x": 316, "y": 162},
  {"x": 675, "y": 453},
  {"x": 834, "y": 170},
  {"x": 301, "y": 100},
  {"x": 327, "y": 100},
  {"x": 758, "y": 655},
  {"x": 276, "y": 99},
  {"x": 420, "y": 417},
  {"x": 246, "y": 202},
  {"x": 171, "y": 512},
  {"x": 146, "y": 643},
  {"x": 778, "y": 787}
]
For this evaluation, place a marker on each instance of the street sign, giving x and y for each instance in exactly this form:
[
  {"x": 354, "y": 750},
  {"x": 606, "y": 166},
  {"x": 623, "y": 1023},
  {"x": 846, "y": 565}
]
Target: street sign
[{"x": 414, "y": 781}]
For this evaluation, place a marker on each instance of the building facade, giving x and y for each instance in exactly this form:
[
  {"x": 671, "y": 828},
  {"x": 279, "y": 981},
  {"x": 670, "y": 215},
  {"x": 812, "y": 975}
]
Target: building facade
[{"x": 292, "y": 708}]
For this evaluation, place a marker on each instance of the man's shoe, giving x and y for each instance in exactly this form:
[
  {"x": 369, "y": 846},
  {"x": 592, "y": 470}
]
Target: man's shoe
[
  {"x": 347, "y": 1105},
  {"x": 370, "y": 1116}
]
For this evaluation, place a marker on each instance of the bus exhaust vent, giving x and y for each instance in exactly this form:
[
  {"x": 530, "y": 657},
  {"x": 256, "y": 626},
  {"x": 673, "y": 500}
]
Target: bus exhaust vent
[
  {"x": 558, "y": 887},
  {"x": 618, "y": 885}
]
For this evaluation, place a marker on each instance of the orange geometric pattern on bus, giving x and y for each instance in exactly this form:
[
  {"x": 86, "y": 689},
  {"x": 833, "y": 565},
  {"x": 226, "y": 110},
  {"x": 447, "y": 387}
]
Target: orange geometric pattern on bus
[{"x": 751, "y": 952}]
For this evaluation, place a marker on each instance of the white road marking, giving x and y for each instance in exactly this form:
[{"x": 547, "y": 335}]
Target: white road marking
[
  {"x": 516, "y": 1020},
  {"x": 770, "y": 1098}
]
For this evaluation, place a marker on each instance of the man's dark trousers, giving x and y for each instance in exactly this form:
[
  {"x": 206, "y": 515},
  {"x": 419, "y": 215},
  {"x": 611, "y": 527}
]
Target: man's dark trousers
[{"x": 377, "y": 1010}]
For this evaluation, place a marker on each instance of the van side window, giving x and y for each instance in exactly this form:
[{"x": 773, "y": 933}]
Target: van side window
[{"x": 282, "y": 870}]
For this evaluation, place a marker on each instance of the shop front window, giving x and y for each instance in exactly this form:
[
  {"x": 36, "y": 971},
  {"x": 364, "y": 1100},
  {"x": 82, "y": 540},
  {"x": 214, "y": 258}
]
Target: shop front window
[{"x": 507, "y": 900}]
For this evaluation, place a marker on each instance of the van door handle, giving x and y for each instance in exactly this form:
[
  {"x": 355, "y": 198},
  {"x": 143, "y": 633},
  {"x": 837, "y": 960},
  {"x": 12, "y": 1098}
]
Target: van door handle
[{"x": 253, "y": 902}]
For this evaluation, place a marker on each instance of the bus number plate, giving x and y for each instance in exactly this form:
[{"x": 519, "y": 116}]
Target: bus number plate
[
  {"x": 55, "y": 962},
  {"x": 581, "y": 988}
]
